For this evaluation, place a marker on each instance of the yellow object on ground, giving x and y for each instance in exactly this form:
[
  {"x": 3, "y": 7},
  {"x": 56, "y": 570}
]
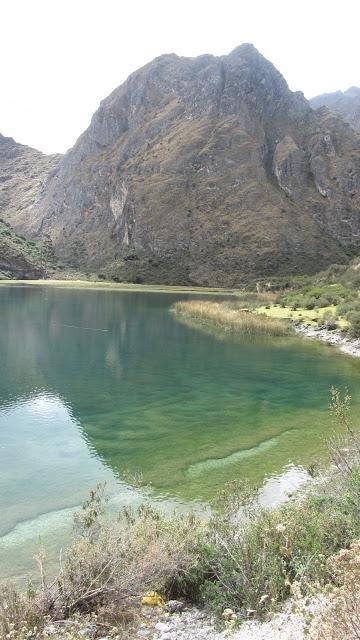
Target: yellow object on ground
[{"x": 153, "y": 599}]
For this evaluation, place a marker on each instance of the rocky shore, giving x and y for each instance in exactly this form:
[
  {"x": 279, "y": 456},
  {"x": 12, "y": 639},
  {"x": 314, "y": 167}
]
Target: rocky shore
[
  {"x": 342, "y": 342},
  {"x": 191, "y": 623},
  {"x": 194, "y": 624}
]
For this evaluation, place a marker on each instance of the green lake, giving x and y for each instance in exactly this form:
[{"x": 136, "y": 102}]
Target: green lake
[{"x": 102, "y": 385}]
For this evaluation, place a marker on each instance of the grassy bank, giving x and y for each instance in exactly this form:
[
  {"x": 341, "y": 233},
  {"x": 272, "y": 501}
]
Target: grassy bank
[
  {"x": 121, "y": 286},
  {"x": 229, "y": 317},
  {"x": 329, "y": 299}
]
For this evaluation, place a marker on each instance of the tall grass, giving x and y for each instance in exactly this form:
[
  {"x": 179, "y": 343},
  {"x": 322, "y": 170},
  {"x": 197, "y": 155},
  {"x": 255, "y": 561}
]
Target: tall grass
[{"x": 223, "y": 316}]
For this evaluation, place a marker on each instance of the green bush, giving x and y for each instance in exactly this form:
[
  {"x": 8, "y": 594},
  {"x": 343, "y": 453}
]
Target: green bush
[
  {"x": 311, "y": 296},
  {"x": 354, "y": 318},
  {"x": 329, "y": 321},
  {"x": 324, "y": 302},
  {"x": 253, "y": 566},
  {"x": 351, "y": 312},
  {"x": 309, "y": 303}
]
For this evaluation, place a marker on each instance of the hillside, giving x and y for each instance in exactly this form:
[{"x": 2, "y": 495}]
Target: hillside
[
  {"x": 19, "y": 258},
  {"x": 203, "y": 170},
  {"x": 346, "y": 103},
  {"x": 23, "y": 174}
]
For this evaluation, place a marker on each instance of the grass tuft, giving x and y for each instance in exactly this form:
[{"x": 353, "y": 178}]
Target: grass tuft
[{"x": 225, "y": 317}]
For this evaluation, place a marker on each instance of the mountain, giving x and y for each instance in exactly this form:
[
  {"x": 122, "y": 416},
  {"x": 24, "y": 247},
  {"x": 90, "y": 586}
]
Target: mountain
[
  {"x": 346, "y": 103},
  {"x": 203, "y": 170},
  {"x": 23, "y": 173}
]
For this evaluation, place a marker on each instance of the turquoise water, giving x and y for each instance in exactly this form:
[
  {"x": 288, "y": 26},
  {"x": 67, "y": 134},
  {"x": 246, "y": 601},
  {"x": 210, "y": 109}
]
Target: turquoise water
[{"x": 102, "y": 385}]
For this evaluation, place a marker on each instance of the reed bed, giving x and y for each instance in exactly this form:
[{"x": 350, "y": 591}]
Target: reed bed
[{"x": 219, "y": 314}]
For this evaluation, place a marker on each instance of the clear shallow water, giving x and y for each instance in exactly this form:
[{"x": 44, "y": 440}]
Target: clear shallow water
[{"x": 95, "y": 385}]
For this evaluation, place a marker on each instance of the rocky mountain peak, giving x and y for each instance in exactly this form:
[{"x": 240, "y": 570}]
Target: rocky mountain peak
[
  {"x": 204, "y": 170},
  {"x": 172, "y": 87},
  {"x": 346, "y": 103},
  {"x": 353, "y": 92},
  {"x": 5, "y": 140}
]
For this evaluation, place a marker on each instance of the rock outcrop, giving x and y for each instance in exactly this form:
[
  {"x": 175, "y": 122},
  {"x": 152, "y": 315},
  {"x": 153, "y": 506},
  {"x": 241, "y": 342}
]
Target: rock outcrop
[
  {"x": 346, "y": 103},
  {"x": 203, "y": 170}
]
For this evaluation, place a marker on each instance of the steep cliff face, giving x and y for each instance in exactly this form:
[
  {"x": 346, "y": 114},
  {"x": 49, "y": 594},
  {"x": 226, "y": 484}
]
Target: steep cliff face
[
  {"x": 205, "y": 170},
  {"x": 346, "y": 103},
  {"x": 23, "y": 173}
]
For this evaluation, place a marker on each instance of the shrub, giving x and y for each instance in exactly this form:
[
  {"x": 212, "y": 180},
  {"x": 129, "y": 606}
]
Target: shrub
[
  {"x": 320, "y": 296},
  {"x": 323, "y": 302},
  {"x": 20, "y": 615},
  {"x": 253, "y": 565},
  {"x": 349, "y": 307},
  {"x": 329, "y": 321},
  {"x": 309, "y": 303},
  {"x": 111, "y": 563},
  {"x": 354, "y": 319},
  {"x": 340, "y": 617},
  {"x": 143, "y": 550}
]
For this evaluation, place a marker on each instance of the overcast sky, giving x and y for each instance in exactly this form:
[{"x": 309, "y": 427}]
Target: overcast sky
[{"x": 59, "y": 58}]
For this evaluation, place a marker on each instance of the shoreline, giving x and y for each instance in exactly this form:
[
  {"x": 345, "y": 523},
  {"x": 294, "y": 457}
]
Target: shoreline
[
  {"x": 333, "y": 338},
  {"x": 122, "y": 286},
  {"x": 346, "y": 345}
]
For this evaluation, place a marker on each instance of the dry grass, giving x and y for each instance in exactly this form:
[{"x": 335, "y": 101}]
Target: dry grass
[
  {"x": 110, "y": 565},
  {"x": 224, "y": 317},
  {"x": 340, "y": 618}
]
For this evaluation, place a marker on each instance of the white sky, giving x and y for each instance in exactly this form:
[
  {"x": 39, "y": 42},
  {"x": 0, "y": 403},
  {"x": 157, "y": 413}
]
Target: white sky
[{"x": 59, "y": 58}]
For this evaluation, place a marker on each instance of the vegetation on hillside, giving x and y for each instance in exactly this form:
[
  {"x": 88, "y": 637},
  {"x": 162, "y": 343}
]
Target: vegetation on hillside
[
  {"x": 23, "y": 258},
  {"x": 329, "y": 298},
  {"x": 309, "y": 297},
  {"x": 250, "y": 563}
]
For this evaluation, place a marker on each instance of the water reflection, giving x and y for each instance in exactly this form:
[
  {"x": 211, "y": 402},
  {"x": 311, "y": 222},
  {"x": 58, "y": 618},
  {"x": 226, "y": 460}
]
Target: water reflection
[{"x": 44, "y": 460}]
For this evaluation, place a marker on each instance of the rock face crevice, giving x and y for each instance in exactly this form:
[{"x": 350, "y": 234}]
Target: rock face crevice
[{"x": 206, "y": 170}]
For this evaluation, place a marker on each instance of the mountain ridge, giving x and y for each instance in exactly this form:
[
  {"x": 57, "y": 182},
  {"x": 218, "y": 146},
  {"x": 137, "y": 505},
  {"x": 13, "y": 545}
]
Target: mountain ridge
[
  {"x": 204, "y": 170},
  {"x": 346, "y": 103}
]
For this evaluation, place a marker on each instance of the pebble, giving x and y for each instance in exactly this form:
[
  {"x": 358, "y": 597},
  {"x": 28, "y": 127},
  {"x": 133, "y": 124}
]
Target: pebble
[
  {"x": 89, "y": 632},
  {"x": 51, "y": 629},
  {"x": 161, "y": 626},
  {"x": 174, "y": 606}
]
